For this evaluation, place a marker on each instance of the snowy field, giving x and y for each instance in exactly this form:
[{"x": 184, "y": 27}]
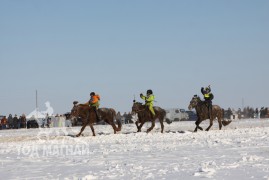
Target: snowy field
[{"x": 239, "y": 151}]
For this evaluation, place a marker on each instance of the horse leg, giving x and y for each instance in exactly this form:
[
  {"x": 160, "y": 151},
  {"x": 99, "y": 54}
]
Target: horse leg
[
  {"x": 140, "y": 126},
  {"x": 82, "y": 129},
  {"x": 114, "y": 128},
  {"x": 152, "y": 126},
  {"x": 220, "y": 124},
  {"x": 195, "y": 130},
  {"x": 118, "y": 126},
  {"x": 91, "y": 125},
  {"x": 137, "y": 125},
  {"x": 162, "y": 126},
  {"x": 112, "y": 124},
  {"x": 197, "y": 125},
  {"x": 211, "y": 123}
]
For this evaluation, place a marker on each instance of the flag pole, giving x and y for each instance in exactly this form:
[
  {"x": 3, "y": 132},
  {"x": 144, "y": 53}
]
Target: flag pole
[{"x": 36, "y": 104}]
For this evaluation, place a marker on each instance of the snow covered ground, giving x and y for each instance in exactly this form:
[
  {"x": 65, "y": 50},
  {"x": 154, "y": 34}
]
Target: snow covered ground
[{"x": 239, "y": 151}]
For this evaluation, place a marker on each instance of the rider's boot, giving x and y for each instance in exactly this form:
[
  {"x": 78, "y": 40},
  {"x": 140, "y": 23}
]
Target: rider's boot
[
  {"x": 98, "y": 117},
  {"x": 209, "y": 111}
]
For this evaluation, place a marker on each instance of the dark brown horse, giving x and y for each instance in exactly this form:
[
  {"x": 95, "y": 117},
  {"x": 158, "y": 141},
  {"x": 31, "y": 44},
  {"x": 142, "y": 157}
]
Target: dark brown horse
[
  {"x": 144, "y": 115},
  {"x": 202, "y": 113},
  {"x": 88, "y": 116}
]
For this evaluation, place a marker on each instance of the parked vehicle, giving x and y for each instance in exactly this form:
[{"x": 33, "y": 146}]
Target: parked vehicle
[
  {"x": 176, "y": 114},
  {"x": 192, "y": 116}
]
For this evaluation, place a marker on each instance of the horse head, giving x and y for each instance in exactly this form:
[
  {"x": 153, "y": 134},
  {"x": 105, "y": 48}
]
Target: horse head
[
  {"x": 137, "y": 106},
  {"x": 194, "y": 102},
  {"x": 74, "y": 111}
]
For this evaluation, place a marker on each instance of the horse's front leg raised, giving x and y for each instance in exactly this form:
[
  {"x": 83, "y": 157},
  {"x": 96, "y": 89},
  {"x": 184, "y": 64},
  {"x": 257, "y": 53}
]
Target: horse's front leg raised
[
  {"x": 152, "y": 125},
  {"x": 82, "y": 129}
]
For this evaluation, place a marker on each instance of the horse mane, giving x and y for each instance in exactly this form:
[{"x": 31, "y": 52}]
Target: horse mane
[
  {"x": 197, "y": 97},
  {"x": 139, "y": 103},
  {"x": 82, "y": 105}
]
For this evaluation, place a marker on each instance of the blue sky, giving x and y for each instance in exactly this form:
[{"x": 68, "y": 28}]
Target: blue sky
[{"x": 66, "y": 49}]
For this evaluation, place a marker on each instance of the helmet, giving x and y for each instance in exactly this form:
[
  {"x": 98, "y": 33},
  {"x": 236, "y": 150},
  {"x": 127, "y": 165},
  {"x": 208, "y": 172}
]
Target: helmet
[
  {"x": 149, "y": 91},
  {"x": 92, "y": 93}
]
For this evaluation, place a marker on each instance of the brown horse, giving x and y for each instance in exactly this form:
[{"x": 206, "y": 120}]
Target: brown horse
[
  {"x": 202, "y": 113},
  {"x": 144, "y": 115},
  {"x": 88, "y": 116}
]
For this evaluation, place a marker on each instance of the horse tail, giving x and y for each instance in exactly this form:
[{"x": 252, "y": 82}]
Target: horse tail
[
  {"x": 114, "y": 118},
  {"x": 168, "y": 121},
  {"x": 224, "y": 122}
]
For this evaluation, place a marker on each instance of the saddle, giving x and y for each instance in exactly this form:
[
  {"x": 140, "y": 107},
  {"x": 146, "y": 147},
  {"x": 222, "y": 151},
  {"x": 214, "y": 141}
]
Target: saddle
[{"x": 209, "y": 108}]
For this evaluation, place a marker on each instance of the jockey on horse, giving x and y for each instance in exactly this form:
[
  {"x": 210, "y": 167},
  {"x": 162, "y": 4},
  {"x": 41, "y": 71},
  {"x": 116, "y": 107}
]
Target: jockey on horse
[
  {"x": 208, "y": 96},
  {"x": 94, "y": 103},
  {"x": 149, "y": 99}
]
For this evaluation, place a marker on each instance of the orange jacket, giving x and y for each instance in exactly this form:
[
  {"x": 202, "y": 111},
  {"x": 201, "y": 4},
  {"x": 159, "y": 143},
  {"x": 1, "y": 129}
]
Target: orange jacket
[
  {"x": 4, "y": 121},
  {"x": 94, "y": 99}
]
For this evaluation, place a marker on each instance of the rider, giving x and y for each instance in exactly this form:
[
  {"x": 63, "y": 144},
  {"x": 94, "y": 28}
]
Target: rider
[
  {"x": 149, "y": 101},
  {"x": 94, "y": 103},
  {"x": 208, "y": 96}
]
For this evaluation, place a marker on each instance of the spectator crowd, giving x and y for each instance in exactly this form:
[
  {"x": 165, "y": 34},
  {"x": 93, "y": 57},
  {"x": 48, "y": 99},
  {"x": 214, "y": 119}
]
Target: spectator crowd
[
  {"x": 246, "y": 113},
  {"x": 15, "y": 122}
]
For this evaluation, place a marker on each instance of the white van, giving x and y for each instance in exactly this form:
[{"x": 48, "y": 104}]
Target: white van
[{"x": 176, "y": 114}]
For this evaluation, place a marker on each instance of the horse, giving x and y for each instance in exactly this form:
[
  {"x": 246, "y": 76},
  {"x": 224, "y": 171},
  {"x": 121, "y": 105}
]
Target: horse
[
  {"x": 88, "y": 116},
  {"x": 203, "y": 114},
  {"x": 144, "y": 115}
]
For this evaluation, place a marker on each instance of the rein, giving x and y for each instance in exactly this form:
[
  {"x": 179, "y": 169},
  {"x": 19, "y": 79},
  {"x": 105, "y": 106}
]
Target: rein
[{"x": 140, "y": 110}]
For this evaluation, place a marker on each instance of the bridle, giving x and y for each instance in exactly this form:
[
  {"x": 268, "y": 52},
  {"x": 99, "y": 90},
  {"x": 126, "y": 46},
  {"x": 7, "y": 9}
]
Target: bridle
[
  {"x": 139, "y": 110},
  {"x": 75, "y": 113},
  {"x": 194, "y": 102}
]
